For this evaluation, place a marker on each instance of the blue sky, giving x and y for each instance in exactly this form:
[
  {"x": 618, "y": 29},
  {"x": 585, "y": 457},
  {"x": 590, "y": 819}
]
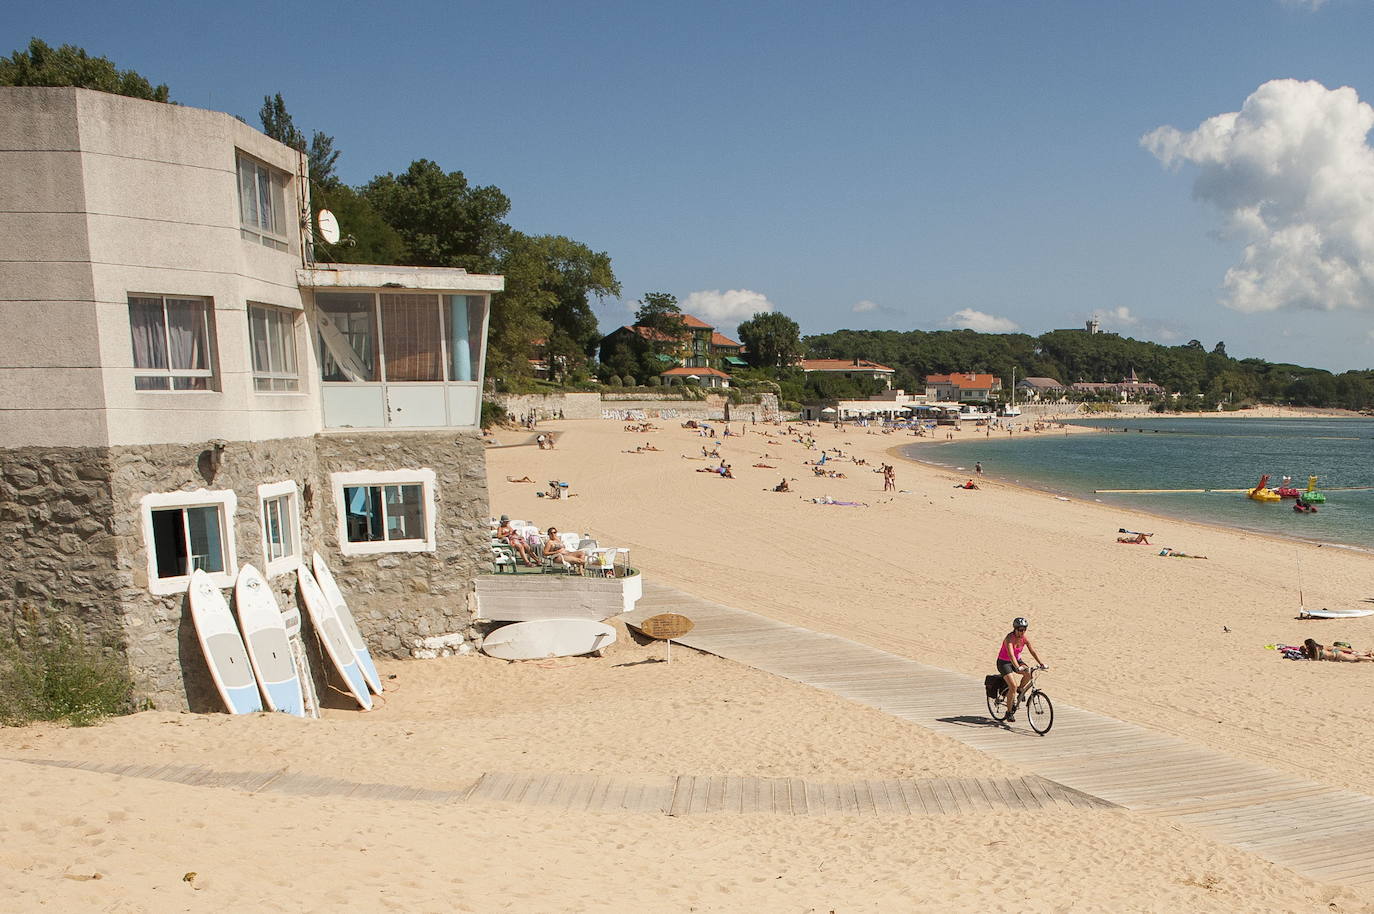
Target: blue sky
[{"x": 912, "y": 165}]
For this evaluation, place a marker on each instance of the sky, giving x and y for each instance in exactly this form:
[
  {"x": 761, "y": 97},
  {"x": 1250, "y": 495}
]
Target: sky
[{"x": 1179, "y": 170}]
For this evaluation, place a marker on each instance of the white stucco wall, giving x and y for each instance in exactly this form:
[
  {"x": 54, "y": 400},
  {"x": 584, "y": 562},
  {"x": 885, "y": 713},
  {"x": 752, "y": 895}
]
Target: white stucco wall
[{"x": 106, "y": 196}]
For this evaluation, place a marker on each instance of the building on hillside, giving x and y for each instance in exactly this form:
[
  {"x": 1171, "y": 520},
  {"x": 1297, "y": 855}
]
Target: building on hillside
[
  {"x": 849, "y": 368},
  {"x": 962, "y": 387},
  {"x": 729, "y": 353},
  {"x": 1040, "y": 389},
  {"x": 186, "y": 388},
  {"x": 1128, "y": 388},
  {"x": 699, "y": 346},
  {"x": 890, "y": 404},
  {"x": 706, "y": 377}
]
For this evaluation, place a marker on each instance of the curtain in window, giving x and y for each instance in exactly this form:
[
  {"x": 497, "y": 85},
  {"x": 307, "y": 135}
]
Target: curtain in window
[
  {"x": 459, "y": 348},
  {"x": 248, "y": 192},
  {"x": 149, "y": 333},
  {"x": 348, "y": 339},
  {"x": 411, "y": 338},
  {"x": 266, "y": 217},
  {"x": 186, "y": 337}
]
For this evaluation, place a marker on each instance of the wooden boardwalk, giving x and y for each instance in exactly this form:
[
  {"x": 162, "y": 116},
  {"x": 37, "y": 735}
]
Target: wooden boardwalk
[
  {"x": 675, "y": 795},
  {"x": 1240, "y": 803}
]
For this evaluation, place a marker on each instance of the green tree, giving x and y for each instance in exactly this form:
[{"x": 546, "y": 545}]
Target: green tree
[
  {"x": 320, "y": 154},
  {"x": 771, "y": 340},
  {"x": 366, "y": 236},
  {"x": 41, "y": 65},
  {"x": 660, "y": 312},
  {"x": 442, "y": 219}
]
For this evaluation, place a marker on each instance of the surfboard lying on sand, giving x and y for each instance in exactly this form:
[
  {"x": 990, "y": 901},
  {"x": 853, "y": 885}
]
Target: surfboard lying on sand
[
  {"x": 1334, "y": 613},
  {"x": 325, "y": 578},
  {"x": 542, "y": 638},
  {"x": 269, "y": 650},
  {"x": 330, "y": 629},
  {"x": 225, "y": 654}
]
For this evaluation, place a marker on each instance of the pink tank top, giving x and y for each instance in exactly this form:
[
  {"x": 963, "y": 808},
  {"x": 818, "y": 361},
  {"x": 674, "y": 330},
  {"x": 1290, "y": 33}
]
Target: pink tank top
[{"x": 1003, "y": 655}]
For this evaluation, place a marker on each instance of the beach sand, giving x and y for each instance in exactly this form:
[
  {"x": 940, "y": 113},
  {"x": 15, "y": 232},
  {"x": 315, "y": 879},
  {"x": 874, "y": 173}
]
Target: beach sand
[{"x": 929, "y": 572}]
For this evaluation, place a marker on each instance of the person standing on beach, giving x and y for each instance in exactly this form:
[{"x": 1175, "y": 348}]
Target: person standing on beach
[{"x": 978, "y": 468}]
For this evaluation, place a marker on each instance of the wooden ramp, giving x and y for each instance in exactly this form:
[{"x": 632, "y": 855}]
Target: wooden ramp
[
  {"x": 675, "y": 795},
  {"x": 1232, "y": 801}
]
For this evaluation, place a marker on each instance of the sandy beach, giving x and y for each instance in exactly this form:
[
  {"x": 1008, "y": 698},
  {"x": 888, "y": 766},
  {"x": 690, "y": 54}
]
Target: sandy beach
[{"x": 927, "y": 572}]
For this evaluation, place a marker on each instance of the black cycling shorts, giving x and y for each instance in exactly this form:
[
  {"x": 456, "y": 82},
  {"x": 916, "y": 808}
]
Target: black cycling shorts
[{"x": 1006, "y": 666}]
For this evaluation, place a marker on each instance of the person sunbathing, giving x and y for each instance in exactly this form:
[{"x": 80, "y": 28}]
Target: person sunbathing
[
  {"x": 521, "y": 479},
  {"x": 968, "y": 485},
  {"x": 649, "y": 447},
  {"x": 554, "y": 548},
  {"x": 1139, "y": 538},
  {"x": 1314, "y": 651},
  {"x": 782, "y": 486},
  {"x": 517, "y": 542}
]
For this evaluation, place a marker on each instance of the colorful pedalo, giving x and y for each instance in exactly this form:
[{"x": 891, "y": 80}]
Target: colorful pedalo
[{"x": 1262, "y": 492}]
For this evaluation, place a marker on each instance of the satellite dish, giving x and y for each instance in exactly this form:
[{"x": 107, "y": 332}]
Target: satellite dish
[{"x": 329, "y": 226}]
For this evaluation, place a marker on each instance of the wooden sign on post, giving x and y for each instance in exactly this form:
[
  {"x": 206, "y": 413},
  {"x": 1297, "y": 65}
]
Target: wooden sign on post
[{"x": 665, "y": 627}]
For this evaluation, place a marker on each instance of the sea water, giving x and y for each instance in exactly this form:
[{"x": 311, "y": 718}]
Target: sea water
[{"x": 1148, "y": 453}]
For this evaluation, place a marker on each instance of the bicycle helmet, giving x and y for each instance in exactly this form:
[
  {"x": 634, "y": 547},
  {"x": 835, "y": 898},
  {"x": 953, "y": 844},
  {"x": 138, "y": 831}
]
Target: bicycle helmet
[{"x": 1020, "y": 622}]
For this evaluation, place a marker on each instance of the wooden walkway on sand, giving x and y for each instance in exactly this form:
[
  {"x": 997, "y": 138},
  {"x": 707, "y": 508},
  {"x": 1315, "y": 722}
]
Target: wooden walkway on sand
[
  {"x": 1240, "y": 803},
  {"x": 675, "y": 795}
]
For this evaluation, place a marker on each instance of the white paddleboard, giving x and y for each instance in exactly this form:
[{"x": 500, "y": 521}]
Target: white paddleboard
[
  {"x": 1334, "y": 613},
  {"x": 224, "y": 651},
  {"x": 542, "y": 638},
  {"x": 269, "y": 650},
  {"x": 336, "y": 646},
  {"x": 325, "y": 578}
]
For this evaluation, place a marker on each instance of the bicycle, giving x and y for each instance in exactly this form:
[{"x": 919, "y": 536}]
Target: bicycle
[{"x": 1037, "y": 705}]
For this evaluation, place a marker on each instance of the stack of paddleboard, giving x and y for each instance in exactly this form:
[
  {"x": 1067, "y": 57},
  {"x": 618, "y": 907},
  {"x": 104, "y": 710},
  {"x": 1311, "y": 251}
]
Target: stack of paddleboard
[
  {"x": 255, "y": 665},
  {"x": 343, "y": 643},
  {"x": 250, "y": 663}
]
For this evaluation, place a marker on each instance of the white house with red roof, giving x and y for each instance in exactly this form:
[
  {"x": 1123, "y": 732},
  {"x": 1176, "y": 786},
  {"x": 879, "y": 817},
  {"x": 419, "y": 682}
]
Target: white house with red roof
[
  {"x": 962, "y": 386},
  {"x": 849, "y": 368}
]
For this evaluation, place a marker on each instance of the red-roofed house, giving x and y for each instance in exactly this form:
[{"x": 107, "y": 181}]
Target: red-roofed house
[
  {"x": 962, "y": 386},
  {"x": 700, "y": 347},
  {"x": 849, "y": 368},
  {"x": 707, "y": 377}
]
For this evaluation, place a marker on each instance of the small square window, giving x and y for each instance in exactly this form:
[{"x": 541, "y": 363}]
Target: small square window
[
  {"x": 184, "y": 531},
  {"x": 390, "y": 511},
  {"x": 262, "y": 202},
  {"x": 281, "y": 527},
  {"x": 272, "y": 337},
  {"x": 171, "y": 342}
]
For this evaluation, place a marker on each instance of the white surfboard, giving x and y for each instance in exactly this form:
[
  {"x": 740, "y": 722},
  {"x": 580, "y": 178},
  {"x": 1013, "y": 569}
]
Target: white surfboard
[
  {"x": 336, "y": 646},
  {"x": 325, "y": 578},
  {"x": 542, "y": 638},
  {"x": 224, "y": 651},
  {"x": 1334, "y": 613},
  {"x": 264, "y": 635}
]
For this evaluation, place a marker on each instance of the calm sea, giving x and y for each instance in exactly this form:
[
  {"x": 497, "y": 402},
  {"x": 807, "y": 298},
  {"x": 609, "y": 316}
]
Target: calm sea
[{"x": 1195, "y": 454}]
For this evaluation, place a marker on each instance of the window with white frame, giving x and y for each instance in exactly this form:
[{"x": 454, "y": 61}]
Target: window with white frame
[
  {"x": 183, "y": 531},
  {"x": 385, "y": 511},
  {"x": 262, "y": 202},
  {"x": 171, "y": 339},
  {"x": 281, "y": 526},
  {"x": 272, "y": 336}
]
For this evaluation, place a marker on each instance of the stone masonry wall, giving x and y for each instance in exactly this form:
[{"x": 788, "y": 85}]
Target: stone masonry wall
[
  {"x": 164, "y": 656},
  {"x": 56, "y": 545},
  {"x": 400, "y": 598}
]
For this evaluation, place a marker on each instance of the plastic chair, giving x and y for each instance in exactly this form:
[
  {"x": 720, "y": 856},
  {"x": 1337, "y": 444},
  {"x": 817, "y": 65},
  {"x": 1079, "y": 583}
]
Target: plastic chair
[{"x": 503, "y": 556}]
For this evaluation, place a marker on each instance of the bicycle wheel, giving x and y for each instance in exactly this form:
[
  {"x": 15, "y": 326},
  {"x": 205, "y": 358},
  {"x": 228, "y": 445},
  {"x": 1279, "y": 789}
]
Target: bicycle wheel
[
  {"x": 997, "y": 707},
  {"x": 1040, "y": 712}
]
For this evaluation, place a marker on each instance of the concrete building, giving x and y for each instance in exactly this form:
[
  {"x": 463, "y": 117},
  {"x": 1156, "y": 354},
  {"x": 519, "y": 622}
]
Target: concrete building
[
  {"x": 961, "y": 387},
  {"x": 182, "y": 387},
  {"x": 849, "y": 368}
]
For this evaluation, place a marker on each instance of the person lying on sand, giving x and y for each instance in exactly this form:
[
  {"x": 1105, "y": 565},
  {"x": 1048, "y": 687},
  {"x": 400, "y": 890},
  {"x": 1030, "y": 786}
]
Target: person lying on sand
[
  {"x": 648, "y": 447},
  {"x": 765, "y": 466},
  {"x": 521, "y": 479},
  {"x": 723, "y": 470},
  {"x": 1139, "y": 538},
  {"x": 1174, "y": 553},
  {"x": 968, "y": 485},
  {"x": 1314, "y": 651}
]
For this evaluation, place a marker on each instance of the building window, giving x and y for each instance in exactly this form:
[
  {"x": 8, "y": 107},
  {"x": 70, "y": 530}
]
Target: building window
[
  {"x": 262, "y": 203},
  {"x": 281, "y": 526},
  {"x": 183, "y": 531},
  {"x": 390, "y": 511},
  {"x": 272, "y": 335},
  {"x": 171, "y": 341}
]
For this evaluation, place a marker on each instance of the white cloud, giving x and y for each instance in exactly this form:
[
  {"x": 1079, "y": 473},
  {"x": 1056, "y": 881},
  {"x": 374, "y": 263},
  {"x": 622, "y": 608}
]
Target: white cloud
[
  {"x": 969, "y": 319},
  {"x": 1293, "y": 176},
  {"x": 726, "y": 309},
  {"x": 1116, "y": 317},
  {"x": 863, "y": 307}
]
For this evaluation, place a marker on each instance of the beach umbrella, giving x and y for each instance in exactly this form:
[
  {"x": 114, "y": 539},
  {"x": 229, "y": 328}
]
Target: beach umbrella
[{"x": 828, "y": 409}]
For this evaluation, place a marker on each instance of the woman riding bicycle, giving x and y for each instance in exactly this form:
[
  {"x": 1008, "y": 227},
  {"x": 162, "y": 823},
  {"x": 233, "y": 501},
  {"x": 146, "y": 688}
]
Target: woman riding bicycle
[{"x": 1009, "y": 662}]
